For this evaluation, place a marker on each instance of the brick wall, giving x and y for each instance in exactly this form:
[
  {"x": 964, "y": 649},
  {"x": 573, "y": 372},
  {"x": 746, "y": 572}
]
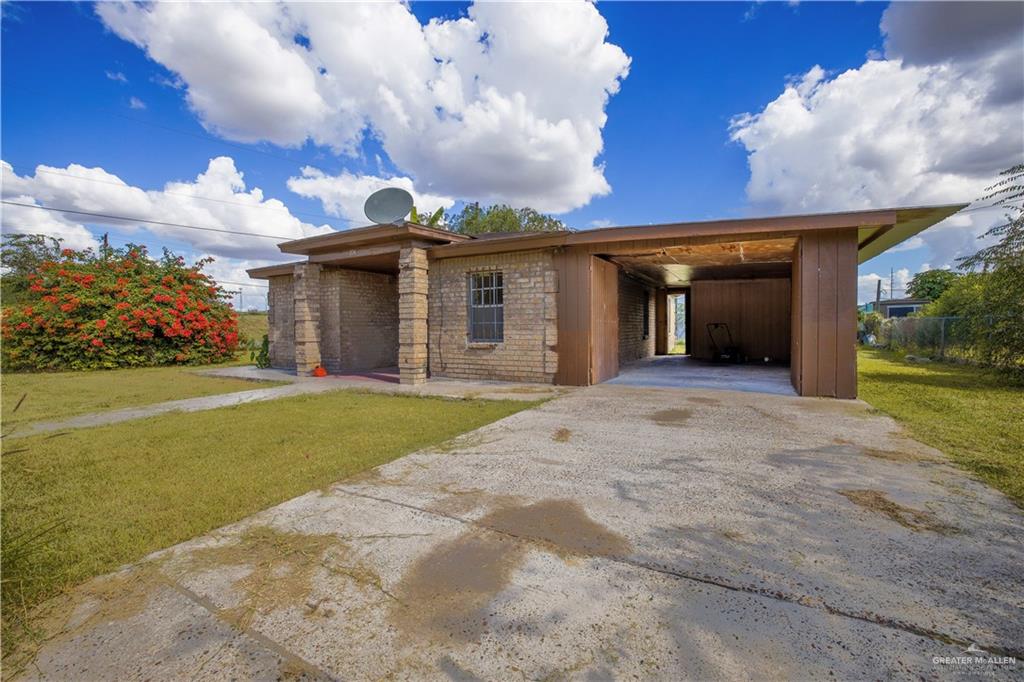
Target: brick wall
[
  {"x": 281, "y": 322},
  {"x": 528, "y": 350},
  {"x": 633, "y": 345},
  {"x": 358, "y": 320}
]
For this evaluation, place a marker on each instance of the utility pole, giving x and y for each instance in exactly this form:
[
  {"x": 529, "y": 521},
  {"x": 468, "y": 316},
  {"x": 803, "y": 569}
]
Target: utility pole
[
  {"x": 878, "y": 294},
  {"x": 892, "y": 283}
]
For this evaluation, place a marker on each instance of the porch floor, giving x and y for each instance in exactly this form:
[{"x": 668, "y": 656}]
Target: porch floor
[{"x": 682, "y": 371}]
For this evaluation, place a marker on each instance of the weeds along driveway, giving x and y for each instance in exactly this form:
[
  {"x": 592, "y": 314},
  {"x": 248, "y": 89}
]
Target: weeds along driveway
[{"x": 610, "y": 532}]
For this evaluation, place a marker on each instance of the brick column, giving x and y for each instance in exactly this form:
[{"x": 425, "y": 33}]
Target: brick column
[
  {"x": 412, "y": 315},
  {"x": 306, "y": 283}
]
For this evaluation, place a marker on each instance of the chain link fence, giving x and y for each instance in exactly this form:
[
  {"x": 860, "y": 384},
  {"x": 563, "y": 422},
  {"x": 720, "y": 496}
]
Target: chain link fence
[{"x": 936, "y": 337}]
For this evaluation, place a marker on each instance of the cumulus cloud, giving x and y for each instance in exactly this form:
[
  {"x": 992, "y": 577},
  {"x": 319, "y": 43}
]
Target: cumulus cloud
[
  {"x": 503, "y": 104},
  {"x": 343, "y": 195},
  {"x": 136, "y": 103},
  {"x": 217, "y": 198},
  {"x": 25, "y": 220},
  {"x": 932, "y": 122},
  {"x": 894, "y": 283}
]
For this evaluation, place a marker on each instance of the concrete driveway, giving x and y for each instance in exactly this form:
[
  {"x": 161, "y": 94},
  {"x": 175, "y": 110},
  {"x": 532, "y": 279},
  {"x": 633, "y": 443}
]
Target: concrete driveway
[{"x": 612, "y": 532}]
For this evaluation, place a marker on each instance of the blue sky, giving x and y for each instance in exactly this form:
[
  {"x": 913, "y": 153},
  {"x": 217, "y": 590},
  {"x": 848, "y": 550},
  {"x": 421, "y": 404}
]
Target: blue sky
[{"x": 116, "y": 93}]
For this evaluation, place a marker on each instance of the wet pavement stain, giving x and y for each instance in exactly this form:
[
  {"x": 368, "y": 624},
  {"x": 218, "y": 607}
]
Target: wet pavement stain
[
  {"x": 446, "y": 594},
  {"x": 672, "y": 417},
  {"x": 561, "y": 435},
  {"x": 908, "y": 517}
]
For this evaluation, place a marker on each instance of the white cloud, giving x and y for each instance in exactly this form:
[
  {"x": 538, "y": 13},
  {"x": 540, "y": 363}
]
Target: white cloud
[
  {"x": 892, "y": 283},
  {"x": 932, "y": 123},
  {"x": 24, "y": 220},
  {"x": 504, "y": 104},
  {"x": 117, "y": 76},
  {"x": 231, "y": 274},
  {"x": 216, "y": 198},
  {"x": 601, "y": 222},
  {"x": 136, "y": 103},
  {"x": 344, "y": 194}
]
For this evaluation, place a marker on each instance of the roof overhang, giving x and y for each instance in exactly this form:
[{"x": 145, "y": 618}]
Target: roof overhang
[
  {"x": 269, "y": 271},
  {"x": 373, "y": 235},
  {"x": 878, "y": 230}
]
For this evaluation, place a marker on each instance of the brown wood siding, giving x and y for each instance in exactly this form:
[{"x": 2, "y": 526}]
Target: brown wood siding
[
  {"x": 824, "y": 315},
  {"x": 660, "y": 322},
  {"x": 573, "y": 267},
  {"x": 604, "y": 320},
  {"x": 756, "y": 310}
]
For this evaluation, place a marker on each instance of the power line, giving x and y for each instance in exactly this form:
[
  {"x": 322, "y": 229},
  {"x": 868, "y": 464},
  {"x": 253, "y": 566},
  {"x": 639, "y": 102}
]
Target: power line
[
  {"x": 240, "y": 284},
  {"x": 38, "y": 170},
  {"x": 143, "y": 220}
]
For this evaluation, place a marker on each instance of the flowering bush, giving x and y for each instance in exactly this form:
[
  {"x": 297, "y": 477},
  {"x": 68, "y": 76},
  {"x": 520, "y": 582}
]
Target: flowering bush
[{"x": 117, "y": 309}]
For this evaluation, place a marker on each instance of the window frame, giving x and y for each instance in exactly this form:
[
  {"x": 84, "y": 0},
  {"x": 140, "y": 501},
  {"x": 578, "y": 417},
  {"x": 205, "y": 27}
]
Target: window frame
[{"x": 486, "y": 311}]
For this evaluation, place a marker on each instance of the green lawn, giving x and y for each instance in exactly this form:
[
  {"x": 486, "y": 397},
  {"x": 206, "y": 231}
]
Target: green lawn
[
  {"x": 252, "y": 326},
  {"x": 974, "y": 416},
  {"x": 117, "y": 493},
  {"x": 59, "y": 395}
]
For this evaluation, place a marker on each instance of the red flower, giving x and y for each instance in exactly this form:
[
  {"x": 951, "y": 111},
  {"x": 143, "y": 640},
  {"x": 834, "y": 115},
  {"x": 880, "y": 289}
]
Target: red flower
[
  {"x": 24, "y": 325},
  {"x": 122, "y": 305},
  {"x": 67, "y": 252},
  {"x": 150, "y": 321},
  {"x": 68, "y": 307},
  {"x": 97, "y": 342},
  {"x": 101, "y": 324},
  {"x": 123, "y": 318}
]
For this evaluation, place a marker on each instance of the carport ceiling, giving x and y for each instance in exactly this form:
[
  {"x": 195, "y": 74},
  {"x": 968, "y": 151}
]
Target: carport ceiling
[{"x": 680, "y": 265}]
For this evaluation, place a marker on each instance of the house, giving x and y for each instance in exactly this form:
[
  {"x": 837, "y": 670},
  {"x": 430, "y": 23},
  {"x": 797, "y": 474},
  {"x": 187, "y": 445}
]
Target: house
[
  {"x": 571, "y": 307},
  {"x": 899, "y": 307}
]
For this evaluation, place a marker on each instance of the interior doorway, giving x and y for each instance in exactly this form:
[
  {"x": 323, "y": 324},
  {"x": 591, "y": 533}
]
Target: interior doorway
[{"x": 678, "y": 322}]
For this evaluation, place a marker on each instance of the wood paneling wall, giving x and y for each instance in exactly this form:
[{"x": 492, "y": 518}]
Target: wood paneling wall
[
  {"x": 756, "y": 310},
  {"x": 588, "y": 318},
  {"x": 573, "y": 267},
  {"x": 604, "y": 321},
  {"x": 824, "y": 304}
]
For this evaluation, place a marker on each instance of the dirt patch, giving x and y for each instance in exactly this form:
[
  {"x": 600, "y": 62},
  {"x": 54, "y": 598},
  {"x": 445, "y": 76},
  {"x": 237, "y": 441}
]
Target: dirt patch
[
  {"x": 446, "y": 594},
  {"x": 908, "y": 517},
  {"x": 461, "y": 442},
  {"x": 561, "y": 435},
  {"x": 282, "y": 567},
  {"x": 701, "y": 400},
  {"x": 673, "y": 417}
]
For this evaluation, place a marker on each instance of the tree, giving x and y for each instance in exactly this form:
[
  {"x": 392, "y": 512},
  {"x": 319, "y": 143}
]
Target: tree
[
  {"x": 998, "y": 318},
  {"x": 120, "y": 308},
  {"x": 501, "y": 218},
  {"x": 20, "y": 256},
  {"x": 931, "y": 284},
  {"x": 426, "y": 219}
]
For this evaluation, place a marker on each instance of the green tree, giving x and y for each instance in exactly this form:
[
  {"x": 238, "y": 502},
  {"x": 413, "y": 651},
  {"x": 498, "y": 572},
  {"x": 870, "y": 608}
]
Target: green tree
[
  {"x": 473, "y": 219},
  {"x": 931, "y": 284},
  {"x": 426, "y": 219},
  {"x": 20, "y": 256},
  {"x": 998, "y": 317}
]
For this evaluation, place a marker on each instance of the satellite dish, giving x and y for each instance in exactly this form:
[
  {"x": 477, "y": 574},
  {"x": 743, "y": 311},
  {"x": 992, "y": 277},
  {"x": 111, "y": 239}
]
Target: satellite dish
[{"x": 388, "y": 205}]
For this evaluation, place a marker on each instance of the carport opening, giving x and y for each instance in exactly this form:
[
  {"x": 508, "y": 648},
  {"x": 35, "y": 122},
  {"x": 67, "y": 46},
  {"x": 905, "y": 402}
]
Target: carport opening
[{"x": 722, "y": 316}]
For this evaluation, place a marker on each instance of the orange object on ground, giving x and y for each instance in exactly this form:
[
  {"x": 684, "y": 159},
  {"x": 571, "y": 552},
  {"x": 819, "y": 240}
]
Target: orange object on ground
[{"x": 319, "y": 371}]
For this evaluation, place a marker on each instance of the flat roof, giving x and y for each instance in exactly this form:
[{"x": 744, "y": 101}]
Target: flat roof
[{"x": 878, "y": 230}]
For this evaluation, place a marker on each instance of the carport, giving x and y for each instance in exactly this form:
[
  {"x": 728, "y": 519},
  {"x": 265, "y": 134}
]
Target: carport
[{"x": 785, "y": 287}]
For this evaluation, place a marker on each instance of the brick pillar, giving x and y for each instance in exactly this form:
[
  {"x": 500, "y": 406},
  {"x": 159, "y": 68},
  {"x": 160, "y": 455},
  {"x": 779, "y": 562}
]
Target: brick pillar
[
  {"x": 412, "y": 315},
  {"x": 306, "y": 283}
]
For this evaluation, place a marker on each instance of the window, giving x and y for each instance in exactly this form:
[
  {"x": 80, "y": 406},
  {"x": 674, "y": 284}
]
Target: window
[
  {"x": 486, "y": 307},
  {"x": 902, "y": 310},
  {"x": 647, "y": 314}
]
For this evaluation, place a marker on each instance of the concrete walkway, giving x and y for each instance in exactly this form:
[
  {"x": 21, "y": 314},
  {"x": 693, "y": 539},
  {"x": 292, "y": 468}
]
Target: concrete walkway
[
  {"x": 611, "y": 533},
  {"x": 682, "y": 371},
  {"x": 486, "y": 390}
]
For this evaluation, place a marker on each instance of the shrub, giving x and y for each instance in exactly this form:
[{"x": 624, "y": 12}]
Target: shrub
[{"x": 117, "y": 309}]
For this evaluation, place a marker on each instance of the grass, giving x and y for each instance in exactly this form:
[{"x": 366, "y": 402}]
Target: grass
[
  {"x": 973, "y": 415},
  {"x": 103, "y": 497},
  {"x": 59, "y": 395},
  {"x": 252, "y": 326},
  {"x": 679, "y": 348}
]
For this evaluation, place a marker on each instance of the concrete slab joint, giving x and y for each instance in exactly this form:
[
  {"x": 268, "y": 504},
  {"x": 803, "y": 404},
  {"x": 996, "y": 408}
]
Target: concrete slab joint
[
  {"x": 306, "y": 292},
  {"x": 413, "y": 286}
]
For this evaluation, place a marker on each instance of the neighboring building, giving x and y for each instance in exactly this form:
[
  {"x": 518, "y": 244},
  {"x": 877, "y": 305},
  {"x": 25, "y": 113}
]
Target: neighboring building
[
  {"x": 570, "y": 307},
  {"x": 898, "y": 307}
]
